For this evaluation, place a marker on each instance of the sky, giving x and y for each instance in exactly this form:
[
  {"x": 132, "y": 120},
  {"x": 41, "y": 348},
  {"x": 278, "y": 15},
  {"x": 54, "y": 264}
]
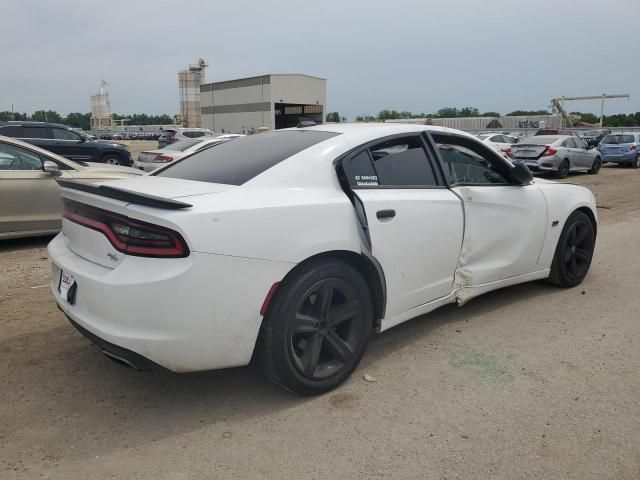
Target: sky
[{"x": 415, "y": 55}]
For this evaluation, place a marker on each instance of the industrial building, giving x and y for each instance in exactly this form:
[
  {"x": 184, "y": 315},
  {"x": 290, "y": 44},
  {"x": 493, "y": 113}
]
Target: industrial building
[
  {"x": 189, "y": 82},
  {"x": 101, "y": 117},
  {"x": 273, "y": 101}
]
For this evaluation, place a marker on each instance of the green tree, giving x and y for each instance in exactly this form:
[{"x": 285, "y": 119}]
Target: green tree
[
  {"x": 46, "y": 116},
  {"x": 490, "y": 114},
  {"x": 78, "y": 120},
  {"x": 333, "y": 117},
  {"x": 494, "y": 124},
  {"x": 525, "y": 113}
]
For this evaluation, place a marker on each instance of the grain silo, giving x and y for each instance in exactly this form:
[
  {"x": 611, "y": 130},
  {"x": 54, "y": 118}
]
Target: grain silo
[
  {"x": 189, "y": 82},
  {"x": 101, "y": 109}
]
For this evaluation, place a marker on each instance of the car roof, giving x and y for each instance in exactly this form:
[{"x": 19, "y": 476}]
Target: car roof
[
  {"x": 31, "y": 122},
  {"x": 376, "y": 130}
]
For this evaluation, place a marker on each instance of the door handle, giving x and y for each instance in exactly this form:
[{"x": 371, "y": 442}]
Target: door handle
[{"x": 381, "y": 214}]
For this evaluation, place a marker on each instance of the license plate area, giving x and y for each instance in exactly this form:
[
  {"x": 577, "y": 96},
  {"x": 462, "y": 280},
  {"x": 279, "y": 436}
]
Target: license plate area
[{"x": 67, "y": 287}]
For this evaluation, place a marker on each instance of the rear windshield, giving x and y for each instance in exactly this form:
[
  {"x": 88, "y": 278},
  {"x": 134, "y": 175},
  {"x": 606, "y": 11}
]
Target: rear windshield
[
  {"x": 237, "y": 162},
  {"x": 538, "y": 140},
  {"x": 615, "y": 139},
  {"x": 182, "y": 145}
]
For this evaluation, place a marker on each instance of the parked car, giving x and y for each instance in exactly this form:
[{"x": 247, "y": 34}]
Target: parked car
[
  {"x": 298, "y": 244},
  {"x": 67, "y": 142},
  {"x": 555, "y": 131},
  {"x": 594, "y": 137},
  {"x": 623, "y": 148},
  {"x": 150, "y": 160},
  {"x": 30, "y": 202},
  {"x": 558, "y": 154},
  {"x": 500, "y": 142},
  {"x": 170, "y": 136}
]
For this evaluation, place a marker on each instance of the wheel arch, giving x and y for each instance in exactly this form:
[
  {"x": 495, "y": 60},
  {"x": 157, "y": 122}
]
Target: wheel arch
[
  {"x": 589, "y": 213},
  {"x": 368, "y": 267},
  {"x": 105, "y": 153}
]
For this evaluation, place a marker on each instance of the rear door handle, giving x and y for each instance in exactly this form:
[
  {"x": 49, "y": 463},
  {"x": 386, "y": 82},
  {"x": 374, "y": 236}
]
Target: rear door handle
[{"x": 385, "y": 214}]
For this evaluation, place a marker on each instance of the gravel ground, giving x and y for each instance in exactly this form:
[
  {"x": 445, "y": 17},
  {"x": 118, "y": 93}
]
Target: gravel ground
[{"x": 527, "y": 382}]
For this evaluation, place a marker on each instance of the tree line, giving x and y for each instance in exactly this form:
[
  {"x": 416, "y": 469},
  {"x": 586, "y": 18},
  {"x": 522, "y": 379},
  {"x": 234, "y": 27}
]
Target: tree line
[{"x": 83, "y": 120}]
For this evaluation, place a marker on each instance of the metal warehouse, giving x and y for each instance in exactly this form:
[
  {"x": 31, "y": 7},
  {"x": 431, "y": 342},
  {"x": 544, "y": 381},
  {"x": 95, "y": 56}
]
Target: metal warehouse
[{"x": 272, "y": 101}]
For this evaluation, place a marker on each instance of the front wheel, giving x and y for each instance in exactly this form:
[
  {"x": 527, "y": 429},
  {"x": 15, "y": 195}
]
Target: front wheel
[
  {"x": 111, "y": 160},
  {"x": 595, "y": 168},
  {"x": 563, "y": 169},
  {"x": 316, "y": 328},
  {"x": 574, "y": 251}
]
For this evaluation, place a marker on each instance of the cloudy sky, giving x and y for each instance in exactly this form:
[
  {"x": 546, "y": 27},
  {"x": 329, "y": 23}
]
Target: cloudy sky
[{"x": 416, "y": 55}]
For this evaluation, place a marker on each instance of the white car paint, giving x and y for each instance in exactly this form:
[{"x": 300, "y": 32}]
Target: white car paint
[
  {"x": 203, "y": 311},
  {"x": 498, "y": 141}
]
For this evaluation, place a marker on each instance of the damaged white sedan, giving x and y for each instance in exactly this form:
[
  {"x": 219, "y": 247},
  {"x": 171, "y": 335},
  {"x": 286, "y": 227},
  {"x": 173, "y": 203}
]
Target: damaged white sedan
[{"x": 291, "y": 247}]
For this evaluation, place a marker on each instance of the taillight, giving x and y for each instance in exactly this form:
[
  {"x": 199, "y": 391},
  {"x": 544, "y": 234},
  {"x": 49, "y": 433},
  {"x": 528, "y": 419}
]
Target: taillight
[
  {"x": 549, "y": 152},
  {"x": 127, "y": 235},
  {"x": 632, "y": 147},
  {"x": 509, "y": 152},
  {"x": 162, "y": 159},
  {"x": 172, "y": 138}
]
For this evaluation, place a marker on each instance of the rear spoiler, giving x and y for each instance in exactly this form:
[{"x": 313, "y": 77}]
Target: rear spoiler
[{"x": 124, "y": 195}]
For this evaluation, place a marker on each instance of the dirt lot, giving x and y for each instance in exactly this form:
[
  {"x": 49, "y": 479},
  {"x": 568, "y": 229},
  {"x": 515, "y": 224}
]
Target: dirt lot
[{"x": 528, "y": 382}]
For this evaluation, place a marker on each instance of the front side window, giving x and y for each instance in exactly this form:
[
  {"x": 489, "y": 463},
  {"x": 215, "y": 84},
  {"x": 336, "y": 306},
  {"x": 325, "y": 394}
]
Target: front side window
[
  {"x": 466, "y": 162},
  {"x": 568, "y": 143},
  {"x": 64, "y": 134},
  {"x": 15, "y": 158}
]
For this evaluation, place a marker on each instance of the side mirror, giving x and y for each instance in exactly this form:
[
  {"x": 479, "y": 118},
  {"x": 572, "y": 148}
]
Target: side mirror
[
  {"x": 51, "y": 168},
  {"x": 520, "y": 174}
]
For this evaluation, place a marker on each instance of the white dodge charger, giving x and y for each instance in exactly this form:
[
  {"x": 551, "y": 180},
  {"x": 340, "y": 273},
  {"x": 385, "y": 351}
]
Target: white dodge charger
[{"x": 291, "y": 247}]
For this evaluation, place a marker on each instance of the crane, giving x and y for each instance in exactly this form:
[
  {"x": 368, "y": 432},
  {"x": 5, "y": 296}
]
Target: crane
[{"x": 558, "y": 104}]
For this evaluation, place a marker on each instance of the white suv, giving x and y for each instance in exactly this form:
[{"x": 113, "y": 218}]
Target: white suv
[{"x": 172, "y": 135}]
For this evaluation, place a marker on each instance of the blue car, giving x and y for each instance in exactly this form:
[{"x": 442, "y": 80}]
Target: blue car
[{"x": 621, "y": 148}]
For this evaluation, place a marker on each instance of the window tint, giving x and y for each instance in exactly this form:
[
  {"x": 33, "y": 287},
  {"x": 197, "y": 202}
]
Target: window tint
[
  {"x": 181, "y": 146},
  {"x": 34, "y": 132},
  {"x": 11, "y": 131},
  {"x": 237, "y": 162},
  {"x": 64, "y": 134},
  {"x": 579, "y": 143},
  {"x": 402, "y": 162},
  {"x": 497, "y": 139},
  {"x": 195, "y": 134},
  {"x": 568, "y": 143},
  {"x": 359, "y": 170},
  {"x": 469, "y": 163},
  {"x": 15, "y": 158}
]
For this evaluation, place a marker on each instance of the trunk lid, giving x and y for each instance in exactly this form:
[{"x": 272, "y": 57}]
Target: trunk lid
[
  {"x": 528, "y": 151},
  {"x": 160, "y": 193}
]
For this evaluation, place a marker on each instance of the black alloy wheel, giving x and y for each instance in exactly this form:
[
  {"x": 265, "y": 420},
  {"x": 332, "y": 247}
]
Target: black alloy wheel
[
  {"x": 595, "y": 168},
  {"x": 316, "y": 328},
  {"x": 574, "y": 251},
  {"x": 328, "y": 327},
  {"x": 563, "y": 169}
]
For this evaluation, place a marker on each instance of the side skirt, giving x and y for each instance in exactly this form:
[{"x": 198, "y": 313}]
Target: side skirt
[{"x": 461, "y": 296}]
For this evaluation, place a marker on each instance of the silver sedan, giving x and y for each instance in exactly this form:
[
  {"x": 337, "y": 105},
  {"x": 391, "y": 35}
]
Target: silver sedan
[{"x": 558, "y": 154}]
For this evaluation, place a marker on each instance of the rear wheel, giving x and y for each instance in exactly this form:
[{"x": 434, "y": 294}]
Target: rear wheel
[
  {"x": 317, "y": 328},
  {"x": 636, "y": 162},
  {"x": 111, "y": 160},
  {"x": 563, "y": 169},
  {"x": 595, "y": 168},
  {"x": 574, "y": 251}
]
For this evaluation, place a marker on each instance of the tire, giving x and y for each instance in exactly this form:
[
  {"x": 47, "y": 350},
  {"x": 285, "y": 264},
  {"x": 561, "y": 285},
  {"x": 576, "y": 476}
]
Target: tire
[
  {"x": 574, "y": 251},
  {"x": 307, "y": 346},
  {"x": 563, "y": 169},
  {"x": 636, "y": 162},
  {"x": 595, "y": 168},
  {"x": 111, "y": 159}
]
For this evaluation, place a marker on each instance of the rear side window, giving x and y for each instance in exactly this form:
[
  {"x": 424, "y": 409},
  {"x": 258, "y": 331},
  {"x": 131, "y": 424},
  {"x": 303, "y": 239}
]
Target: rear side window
[
  {"x": 402, "y": 162},
  {"x": 615, "y": 139},
  {"x": 237, "y": 162},
  {"x": 14, "y": 131},
  {"x": 34, "y": 132},
  {"x": 195, "y": 134}
]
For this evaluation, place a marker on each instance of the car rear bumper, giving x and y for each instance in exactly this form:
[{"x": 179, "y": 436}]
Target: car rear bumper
[
  {"x": 147, "y": 166},
  {"x": 620, "y": 158},
  {"x": 183, "y": 314},
  {"x": 546, "y": 165}
]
